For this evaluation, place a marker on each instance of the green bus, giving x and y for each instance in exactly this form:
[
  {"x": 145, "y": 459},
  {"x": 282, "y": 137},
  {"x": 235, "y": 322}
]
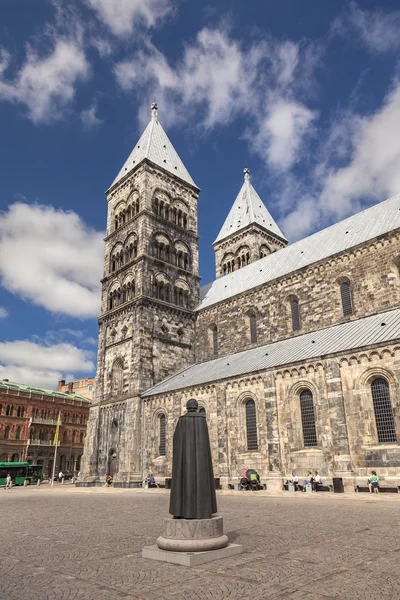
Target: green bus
[{"x": 20, "y": 472}]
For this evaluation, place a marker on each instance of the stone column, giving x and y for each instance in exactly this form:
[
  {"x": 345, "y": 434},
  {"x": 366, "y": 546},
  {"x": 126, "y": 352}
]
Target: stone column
[
  {"x": 275, "y": 475},
  {"x": 340, "y": 443}
]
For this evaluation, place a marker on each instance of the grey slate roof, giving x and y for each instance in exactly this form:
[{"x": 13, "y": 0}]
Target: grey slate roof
[
  {"x": 155, "y": 145},
  {"x": 355, "y": 230},
  {"x": 345, "y": 337},
  {"x": 248, "y": 208}
]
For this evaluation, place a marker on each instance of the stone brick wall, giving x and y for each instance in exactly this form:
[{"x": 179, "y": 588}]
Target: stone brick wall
[
  {"x": 347, "y": 442},
  {"x": 372, "y": 270}
]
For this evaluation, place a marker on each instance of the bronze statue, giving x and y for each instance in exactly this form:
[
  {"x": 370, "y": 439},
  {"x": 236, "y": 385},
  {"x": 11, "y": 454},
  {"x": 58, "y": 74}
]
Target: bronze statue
[{"x": 192, "y": 487}]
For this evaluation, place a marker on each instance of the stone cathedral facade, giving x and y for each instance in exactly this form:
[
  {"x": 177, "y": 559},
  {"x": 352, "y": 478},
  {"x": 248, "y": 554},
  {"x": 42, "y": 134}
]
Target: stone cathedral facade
[{"x": 293, "y": 352}]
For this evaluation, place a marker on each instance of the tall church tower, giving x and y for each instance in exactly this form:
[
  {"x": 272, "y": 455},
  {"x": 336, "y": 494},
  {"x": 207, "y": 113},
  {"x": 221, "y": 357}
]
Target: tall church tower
[
  {"x": 149, "y": 290},
  {"x": 249, "y": 232}
]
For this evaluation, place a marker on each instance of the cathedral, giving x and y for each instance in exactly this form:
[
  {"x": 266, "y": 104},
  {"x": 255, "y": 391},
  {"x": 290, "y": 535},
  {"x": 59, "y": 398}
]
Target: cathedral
[{"x": 293, "y": 352}]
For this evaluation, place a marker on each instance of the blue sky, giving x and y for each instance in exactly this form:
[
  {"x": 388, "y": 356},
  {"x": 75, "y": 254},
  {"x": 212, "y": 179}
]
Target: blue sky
[{"x": 307, "y": 94}]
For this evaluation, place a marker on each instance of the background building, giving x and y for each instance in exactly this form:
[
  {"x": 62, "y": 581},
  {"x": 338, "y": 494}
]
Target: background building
[
  {"x": 28, "y": 420},
  {"x": 82, "y": 387},
  {"x": 293, "y": 352}
]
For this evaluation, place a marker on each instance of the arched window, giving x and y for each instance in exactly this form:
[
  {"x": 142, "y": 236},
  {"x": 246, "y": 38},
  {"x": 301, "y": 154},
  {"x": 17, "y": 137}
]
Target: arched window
[
  {"x": 7, "y": 432},
  {"x": 15, "y": 458},
  {"x": 294, "y": 307},
  {"x": 253, "y": 327},
  {"x": 162, "y": 425},
  {"x": 308, "y": 418},
  {"x": 383, "y": 411},
  {"x": 73, "y": 437},
  {"x": 202, "y": 410},
  {"x": 18, "y": 433},
  {"x": 65, "y": 436},
  {"x": 117, "y": 378},
  {"x": 345, "y": 293},
  {"x": 251, "y": 425},
  {"x": 81, "y": 437}
]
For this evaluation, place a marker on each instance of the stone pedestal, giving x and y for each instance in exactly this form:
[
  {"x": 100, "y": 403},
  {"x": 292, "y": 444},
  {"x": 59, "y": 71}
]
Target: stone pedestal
[
  {"x": 192, "y": 535},
  {"x": 191, "y": 542}
]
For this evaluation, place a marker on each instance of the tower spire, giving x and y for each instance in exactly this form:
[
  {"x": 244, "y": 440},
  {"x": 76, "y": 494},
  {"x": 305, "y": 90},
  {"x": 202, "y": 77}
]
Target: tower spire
[
  {"x": 154, "y": 109},
  {"x": 246, "y": 172}
]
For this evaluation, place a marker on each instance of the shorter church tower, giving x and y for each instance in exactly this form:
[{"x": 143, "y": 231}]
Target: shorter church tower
[{"x": 249, "y": 232}]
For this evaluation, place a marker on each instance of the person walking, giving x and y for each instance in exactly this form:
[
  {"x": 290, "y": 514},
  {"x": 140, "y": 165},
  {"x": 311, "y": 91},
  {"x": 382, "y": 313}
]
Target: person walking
[
  {"x": 8, "y": 482},
  {"x": 61, "y": 477}
]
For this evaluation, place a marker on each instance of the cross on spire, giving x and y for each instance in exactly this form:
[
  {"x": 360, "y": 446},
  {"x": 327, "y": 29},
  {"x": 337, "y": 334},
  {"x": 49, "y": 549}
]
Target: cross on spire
[
  {"x": 246, "y": 172},
  {"x": 154, "y": 109}
]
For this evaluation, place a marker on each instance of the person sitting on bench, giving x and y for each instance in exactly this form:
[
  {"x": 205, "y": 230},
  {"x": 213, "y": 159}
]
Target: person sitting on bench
[{"x": 316, "y": 481}]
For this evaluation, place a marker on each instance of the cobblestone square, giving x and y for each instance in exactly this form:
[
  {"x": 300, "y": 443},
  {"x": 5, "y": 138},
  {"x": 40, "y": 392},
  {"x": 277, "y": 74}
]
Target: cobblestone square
[{"x": 85, "y": 544}]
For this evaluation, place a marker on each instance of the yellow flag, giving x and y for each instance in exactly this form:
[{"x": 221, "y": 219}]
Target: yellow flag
[{"x": 57, "y": 428}]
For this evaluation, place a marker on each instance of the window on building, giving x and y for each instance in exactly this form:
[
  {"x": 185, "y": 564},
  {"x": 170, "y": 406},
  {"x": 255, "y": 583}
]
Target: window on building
[
  {"x": 294, "y": 307},
  {"x": 253, "y": 328},
  {"x": 73, "y": 437},
  {"x": 383, "y": 409},
  {"x": 81, "y": 437},
  {"x": 308, "y": 418},
  {"x": 162, "y": 425},
  {"x": 117, "y": 378},
  {"x": 345, "y": 293},
  {"x": 18, "y": 433},
  {"x": 251, "y": 425},
  {"x": 65, "y": 436},
  {"x": 202, "y": 410},
  {"x": 90, "y": 388},
  {"x": 7, "y": 432}
]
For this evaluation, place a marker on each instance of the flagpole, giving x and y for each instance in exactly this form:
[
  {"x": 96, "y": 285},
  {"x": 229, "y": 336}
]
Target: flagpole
[{"x": 55, "y": 449}]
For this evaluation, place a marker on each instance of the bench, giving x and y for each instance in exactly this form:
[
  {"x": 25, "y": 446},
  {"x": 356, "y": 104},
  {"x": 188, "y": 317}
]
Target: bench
[{"x": 382, "y": 489}]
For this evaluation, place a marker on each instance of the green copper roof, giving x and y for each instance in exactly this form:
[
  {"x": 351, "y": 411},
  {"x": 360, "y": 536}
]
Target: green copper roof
[{"x": 20, "y": 387}]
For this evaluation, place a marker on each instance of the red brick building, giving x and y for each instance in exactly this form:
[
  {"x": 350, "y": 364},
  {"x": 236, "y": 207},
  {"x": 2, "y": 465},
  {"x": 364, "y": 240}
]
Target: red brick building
[{"x": 28, "y": 420}]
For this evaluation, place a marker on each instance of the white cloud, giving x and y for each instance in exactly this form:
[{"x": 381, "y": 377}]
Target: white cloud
[
  {"x": 45, "y": 84},
  {"x": 52, "y": 258},
  {"x": 23, "y": 361},
  {"x": 219, "y": 79},
  {"x": 282, "y": 131},
  {"x": 38, "y": 356},
  {"x": 89, "y": 118},
  {"x": 3, "y": 312},
  {"x": 369, "y": 151},
  {"x": 377, "y": 30},
  {"x": 123, "y": 16}
]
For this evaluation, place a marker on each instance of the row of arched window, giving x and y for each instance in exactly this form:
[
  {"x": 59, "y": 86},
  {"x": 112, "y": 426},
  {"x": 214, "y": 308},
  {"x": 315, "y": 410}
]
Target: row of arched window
[
  {"x": 169, "y": 293},
  {"x": 7, "y": 430},
  {"x": 229, "y": 266},
  {"x": 12, "y": 411},
  {"x": 44, "y": 413},
  {"x": 74, "y": 418},
  {"x": 383, "y": 411},
  {"x": 121, "y": 255},
  {"x": 126, "y": 212},
  {"x": 170, "y": 213},
  {"x": 233, "y": 261},
  {"x": 121, "y": 295},
  {"x": 347, "y": 309},
  {"x": 77, "y": 436},
  {"x": 178, "y": 255}
]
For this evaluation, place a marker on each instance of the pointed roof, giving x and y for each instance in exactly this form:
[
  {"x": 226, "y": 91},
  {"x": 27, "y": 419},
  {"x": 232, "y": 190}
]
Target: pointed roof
[
  {"x": 154, "y": 145},
  {"x": 247, "y": 209}
]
